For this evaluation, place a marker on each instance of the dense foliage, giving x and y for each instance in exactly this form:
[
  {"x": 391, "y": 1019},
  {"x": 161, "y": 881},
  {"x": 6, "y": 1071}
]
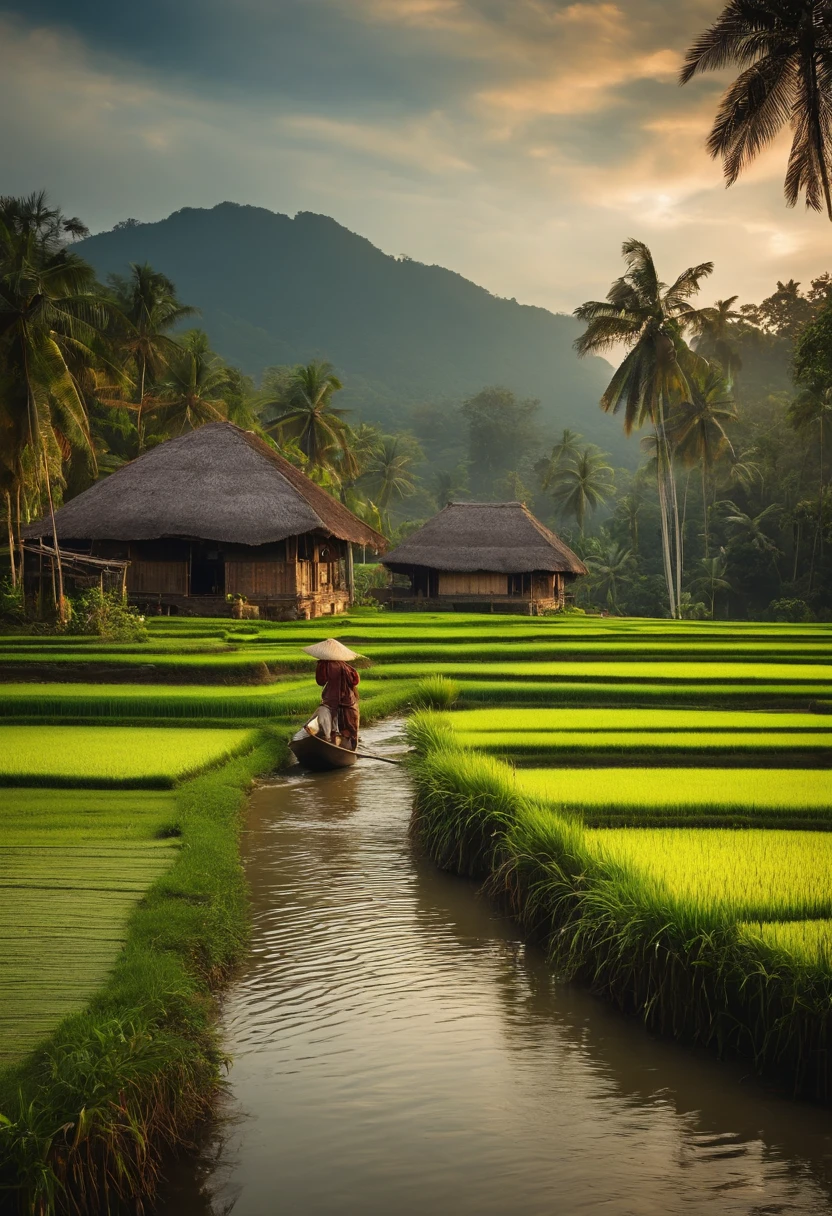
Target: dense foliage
[{"x": 729, "y": 513}]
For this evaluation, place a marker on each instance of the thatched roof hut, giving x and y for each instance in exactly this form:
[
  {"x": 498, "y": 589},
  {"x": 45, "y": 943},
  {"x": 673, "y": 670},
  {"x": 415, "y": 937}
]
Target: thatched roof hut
[
  {"x": 216, "y": 483},
  {"x": 489, "y": 553},
  {"x": 218, "y": 512}
]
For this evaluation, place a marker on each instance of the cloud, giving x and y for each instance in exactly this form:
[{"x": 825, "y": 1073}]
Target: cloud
[
  {"x": 517, "y": 143},
  {"x": 425, "y": 144}
]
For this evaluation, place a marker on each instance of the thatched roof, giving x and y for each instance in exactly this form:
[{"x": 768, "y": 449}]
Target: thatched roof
[
  {"x": 497, "y": 537},
  {"x": 216, "y": 483}
]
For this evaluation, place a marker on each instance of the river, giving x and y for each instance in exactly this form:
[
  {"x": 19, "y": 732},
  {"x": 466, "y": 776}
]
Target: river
[{"x": 398, "y": 1049}]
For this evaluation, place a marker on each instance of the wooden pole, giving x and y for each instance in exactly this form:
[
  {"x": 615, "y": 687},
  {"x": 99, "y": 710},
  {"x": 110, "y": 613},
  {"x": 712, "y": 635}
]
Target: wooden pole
[
  {"x": 350, "y": 573},
  {"x": 11, "y": 538}
]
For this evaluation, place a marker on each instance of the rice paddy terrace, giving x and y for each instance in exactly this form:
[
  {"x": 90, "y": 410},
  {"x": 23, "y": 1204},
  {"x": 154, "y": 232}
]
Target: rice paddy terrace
[{"x": 677, "y": 765}]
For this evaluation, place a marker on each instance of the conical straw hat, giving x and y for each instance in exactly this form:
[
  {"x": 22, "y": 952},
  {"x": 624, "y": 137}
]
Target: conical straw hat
[{"x": 332, "y": 650}]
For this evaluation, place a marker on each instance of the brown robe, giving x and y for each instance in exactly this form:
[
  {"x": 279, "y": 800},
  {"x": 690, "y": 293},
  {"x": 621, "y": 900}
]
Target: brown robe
[{"x": 339, "y": 682}]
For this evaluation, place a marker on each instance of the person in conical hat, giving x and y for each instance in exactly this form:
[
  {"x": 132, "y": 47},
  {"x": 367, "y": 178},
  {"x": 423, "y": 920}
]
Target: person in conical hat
[{"x": 339, "y": 713}]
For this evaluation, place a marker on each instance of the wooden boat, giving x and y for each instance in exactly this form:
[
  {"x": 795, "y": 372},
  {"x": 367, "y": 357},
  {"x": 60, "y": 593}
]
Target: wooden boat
[{"x": 318, "y": 754}]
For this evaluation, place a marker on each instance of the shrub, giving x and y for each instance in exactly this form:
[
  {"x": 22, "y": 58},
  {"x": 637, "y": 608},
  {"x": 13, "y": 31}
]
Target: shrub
[
  {"x": 104, "y": 614},
  {"x": 794, "y": 611},
  {"x": 436, "y": 692},
  {"x": 367, "y": 577},
  {"x": 11, "y": 602}
]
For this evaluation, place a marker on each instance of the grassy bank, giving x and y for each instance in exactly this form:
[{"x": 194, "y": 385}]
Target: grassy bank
[
  {"x": 701, "y": 963},
  {"x": 89, "y": 1115}
]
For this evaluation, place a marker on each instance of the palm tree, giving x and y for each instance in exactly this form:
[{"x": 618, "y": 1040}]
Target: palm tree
[
  {"x": 649, "y": 318},
  {"x": 610, "y": 568},
  {"x": 813, "y": 408},
  {"x": 753, "y": 529},
  {"x": 51, "y": 328},
  {"x": 449, "y": 484},
  {"x": 389, "y": 472},
  {"x": 712, "y": 578},
  {"x": 698, "y": 432},
  {"x": 304, "y": 412},
  {"x": 714, "y": 337},
  {"x": 566, "y": 448},
  {"x": 193, "y": 391},
  {"x": 785, "y": 50},
  {"x": 583, "y": 485},
  {"x": 149, "y": 306}
]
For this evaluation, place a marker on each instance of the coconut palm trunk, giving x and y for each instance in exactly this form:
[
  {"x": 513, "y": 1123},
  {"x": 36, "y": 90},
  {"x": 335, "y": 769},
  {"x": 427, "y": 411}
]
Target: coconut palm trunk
[{"x": 12, "y": 565}]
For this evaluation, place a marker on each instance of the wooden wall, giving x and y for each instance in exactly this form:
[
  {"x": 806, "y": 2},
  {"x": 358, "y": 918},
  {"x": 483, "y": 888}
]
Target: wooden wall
[
  {"x": 260, "y": 578},
  {"x": 478, "y": 583},
  {"x": 144, "y": 577}
]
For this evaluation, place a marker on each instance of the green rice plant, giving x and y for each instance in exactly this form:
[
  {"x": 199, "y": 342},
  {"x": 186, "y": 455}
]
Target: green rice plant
[
  {"x": 157, "y": 700},
  {"x": 808, "y": 941},
  {"x": 549, "y": 693},
  {"x": 814, "y": 676},
  {"x": 728, "y": 875},
  {"x": 507, "y": 720},
  {"x": 435, "y": 692},
  {"x": 539, "y": 743},
  {"x": 112, "y": 756},
  {"x": 539, "y": 650},
  {"x": 676, "y": 791},
  {"x": 462, "y": 804}
]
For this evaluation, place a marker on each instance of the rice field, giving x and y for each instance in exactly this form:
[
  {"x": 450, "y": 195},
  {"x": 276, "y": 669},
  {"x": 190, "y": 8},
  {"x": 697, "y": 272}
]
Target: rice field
[
  {"x": 509, "y": 720},
  {"x": 72, "y": 868},
  {"x": 673, "y": 795},
  {"x": 537, "y": 743},
  {"x": 103, "y": 756},
  {"x": 158, "y": 700},
  {"x": 724, "y": 874},
  {"x": 87, "y": 824},
  {"x": 808, "y": 941}
]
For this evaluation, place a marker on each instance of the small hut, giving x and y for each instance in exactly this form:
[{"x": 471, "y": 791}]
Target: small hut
[
  {"x": 217, "y": 513},
  {"x": 484, "y": 556}
]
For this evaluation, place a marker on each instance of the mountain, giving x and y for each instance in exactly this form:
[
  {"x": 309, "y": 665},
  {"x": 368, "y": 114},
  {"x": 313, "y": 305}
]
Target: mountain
[{"x": 274, "y": 290}]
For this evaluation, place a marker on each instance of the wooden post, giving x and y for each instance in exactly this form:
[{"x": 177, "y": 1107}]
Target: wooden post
[
  {"x": 350, "y": 573},
  {"x": 12, "y": 566}
]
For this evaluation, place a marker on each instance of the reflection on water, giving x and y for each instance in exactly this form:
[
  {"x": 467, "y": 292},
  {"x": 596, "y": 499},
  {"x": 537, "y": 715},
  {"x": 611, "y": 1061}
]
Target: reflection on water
[{"x": 398, "y": 1049}]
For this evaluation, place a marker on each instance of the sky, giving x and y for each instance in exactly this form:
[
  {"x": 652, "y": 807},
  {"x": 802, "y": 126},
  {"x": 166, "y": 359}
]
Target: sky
[{"x": 518, "y": 142}]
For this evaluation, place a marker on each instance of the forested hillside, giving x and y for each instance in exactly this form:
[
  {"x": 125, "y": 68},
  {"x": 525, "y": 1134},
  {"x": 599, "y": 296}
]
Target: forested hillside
[{"x": 275, "y": 290}]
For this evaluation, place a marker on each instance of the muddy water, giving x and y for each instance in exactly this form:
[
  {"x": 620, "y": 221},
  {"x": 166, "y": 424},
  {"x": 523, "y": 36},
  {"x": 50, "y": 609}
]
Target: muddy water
[{"x": 399, "y": 1050}]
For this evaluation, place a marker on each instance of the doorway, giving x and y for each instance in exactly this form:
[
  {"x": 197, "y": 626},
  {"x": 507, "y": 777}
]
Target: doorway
[{"x": 207, "y": 571}]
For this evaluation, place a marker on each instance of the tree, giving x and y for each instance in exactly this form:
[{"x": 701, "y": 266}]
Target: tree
[
  {"x": 389, "y": 473},
  {"x": 712, "y": 577},
  {"x": 303, "y": 412},
  {"x": 449, "y": 484},
  {"x": 698, "y": 432},
  {"x": 150, "y": 308},
  {"x": 715, "y": 337},
  {"x": 753, "y": 530},
  {"x": 610, "y": 568},
  {"x": 502, "y": 432},
  {"x": 193, "y": 391},
  {"x": 785, "y": 50},
  {"x": 583, "y": 485},
  {"x": 51, "y": 327},
  {"x": 648, "y": 317},
  {"x": 566, "y": 448}
]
